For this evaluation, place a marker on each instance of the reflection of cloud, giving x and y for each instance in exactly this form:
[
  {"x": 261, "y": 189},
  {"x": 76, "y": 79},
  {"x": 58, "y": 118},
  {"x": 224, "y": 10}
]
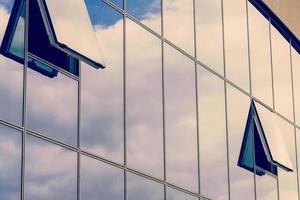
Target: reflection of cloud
[
  {"x": 50, "y": 171},
  {"x": 4, "y": 16},
  {"x": 10, "y": 163}
]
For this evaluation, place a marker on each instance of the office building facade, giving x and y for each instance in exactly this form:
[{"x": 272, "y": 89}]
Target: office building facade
[{"x": 149, "y": 100}]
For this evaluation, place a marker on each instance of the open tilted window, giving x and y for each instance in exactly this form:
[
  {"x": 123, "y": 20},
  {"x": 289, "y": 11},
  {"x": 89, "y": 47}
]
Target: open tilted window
[
  {"x": 59, "y": 33},
  {"x": 263, "y": 143}
]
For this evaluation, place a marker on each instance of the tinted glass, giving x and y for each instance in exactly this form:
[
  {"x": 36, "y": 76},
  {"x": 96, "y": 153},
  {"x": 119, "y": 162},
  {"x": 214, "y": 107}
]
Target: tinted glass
[
  {"x": 282, "y": 74},
  {"x": 140, "y": 188},
  {"x": 236, "y": 48},
  {"x": 241, "y": 180},
  {"x": 10, "y": 159},
  {"x": 212, "y": 139},
  {"x": 260, "y": 56},
  {"x": 50, "y": 171},
  {"x": 178, "y": 23},
  {"x": 118, "y": 3},
  {"x": 102, "y": 127},
  {"x": 147, "y": 12},
  {"x": 296, "y": 79},
  {"x": 209, "y": 33},
  {"x": 100, "y": 180},
  {"x": 11, "y": 72},
  {"x": 144, "y": 101},
  {"x": 69, "y": 17},
  {"x": 52, "y": 104},
  {"x": 173, "y": 194},
  {"x": 180, "y": 113},
  {"x": 288, "y": 180}
]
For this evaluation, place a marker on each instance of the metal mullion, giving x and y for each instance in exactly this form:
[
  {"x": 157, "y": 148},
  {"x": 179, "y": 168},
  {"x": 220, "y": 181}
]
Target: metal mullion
[
  {"x": 11, "y": 125},
  {"x": 124, "y": 98},
  {"x": 24, "y": 111},
  {"x": 78, "y": 135},
  {"x": 251, "y": 94},
  {"x": 196, "y": 97}
]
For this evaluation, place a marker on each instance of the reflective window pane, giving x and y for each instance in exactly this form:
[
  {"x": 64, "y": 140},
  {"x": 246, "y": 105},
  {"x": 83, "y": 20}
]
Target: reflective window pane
[
  {"x": 210, "y": 34},
  {"x": 50, "y": 171},
  {"x": 212, "y": 139},
  {"x": 241, "y": 180},
  {"x": 118, "y": 3},
  {"x": 178, "y": 24},
  {"x": 141, "y": 188},
  {"x": 147, "y": 12},
  {"x": 10, "y": 163},
  {"x": 52, "y": 104},
  {"x": 173, "y": 194},
  {"x": 266, "y": 187},
  {"x": 11, "y": 72},
  {"x": 102, "y": 127},
  {"x": 288, "y": 180},
  {"x": 296, "y": 79},
  {"x": 69, "y": 17},
  {"x": 180, "y": 113},
  {"x": 236, "y": 45},
  {"x": 100, "y": 180},
  {"x": 144, "y": 101},
  {"x": 282, "y": 74},
  {"x": 260, "y": 56}
]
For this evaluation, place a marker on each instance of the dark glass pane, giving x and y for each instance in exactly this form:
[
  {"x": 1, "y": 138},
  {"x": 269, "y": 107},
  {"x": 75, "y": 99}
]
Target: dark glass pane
[
  {"x": 144, "y": 101},
  {"x": 141, "y": 188},
  {"x": 181, "y": 123},
  {"x": 52, "y": 105},
  {"x": 10, "y": 163},
  {"x": 50, "y": 171},
  {"x": 212, "y": 138},
  {"x": 100, "y": 180},
  {"x": 102, "y": 126},
  {"x": 39, "y": 43},
  {"x": 147, "y": 12}
]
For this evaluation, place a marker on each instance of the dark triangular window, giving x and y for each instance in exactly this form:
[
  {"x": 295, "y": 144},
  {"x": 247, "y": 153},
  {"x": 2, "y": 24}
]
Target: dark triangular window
[{"x": 260, "y": 137}]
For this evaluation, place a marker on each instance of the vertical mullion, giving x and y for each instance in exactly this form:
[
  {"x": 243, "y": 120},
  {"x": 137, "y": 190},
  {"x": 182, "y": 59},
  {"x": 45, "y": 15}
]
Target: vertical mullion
[
  {"x": 124, "y": 97},
  {"x": 24, "y": 111},
  {"x": 78, "y": 136},
  {"x": 196, "y": 96}
]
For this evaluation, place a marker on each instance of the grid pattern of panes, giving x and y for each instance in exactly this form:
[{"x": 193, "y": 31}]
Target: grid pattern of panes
[{"x": 164, "y": 120}]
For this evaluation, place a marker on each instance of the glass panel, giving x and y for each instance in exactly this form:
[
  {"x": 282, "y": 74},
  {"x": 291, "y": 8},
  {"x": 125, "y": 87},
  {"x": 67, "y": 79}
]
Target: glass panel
[
  {"x": 69, "y": 17},
  {"x": 179, "y": 24},
  {"x": 266, "y": 187},
  {"x": 241, "y": 180},
  {"x": 210, "y": 34},
  {"x": 100, "y": 180},
  {"x": 52, "y": 105},
  {"x": 296, "y": 79},
  {"x": 282, "y": 75},
  {"x": 274, "y": 137},
  {"x": 236, "y": 45},
  {"x": 50, "y": 171},
  {"x": 147, "y": 12},
  {"x": 118, "y": 3},
  {"x": 11, "y": 73},
  {"x": 173, "y": 194},
  {"x": 288, "y": 188},
  {"x": 102, "y": 127},
  {"x": 260, "y": 56},
  {"x": 141, "y": 188},
  {"x": 144, "y": 101},
  {"x": 10, "y": 163},
  {"x": 181, "y": 127},
  {"x": 212, "y": 139}
]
